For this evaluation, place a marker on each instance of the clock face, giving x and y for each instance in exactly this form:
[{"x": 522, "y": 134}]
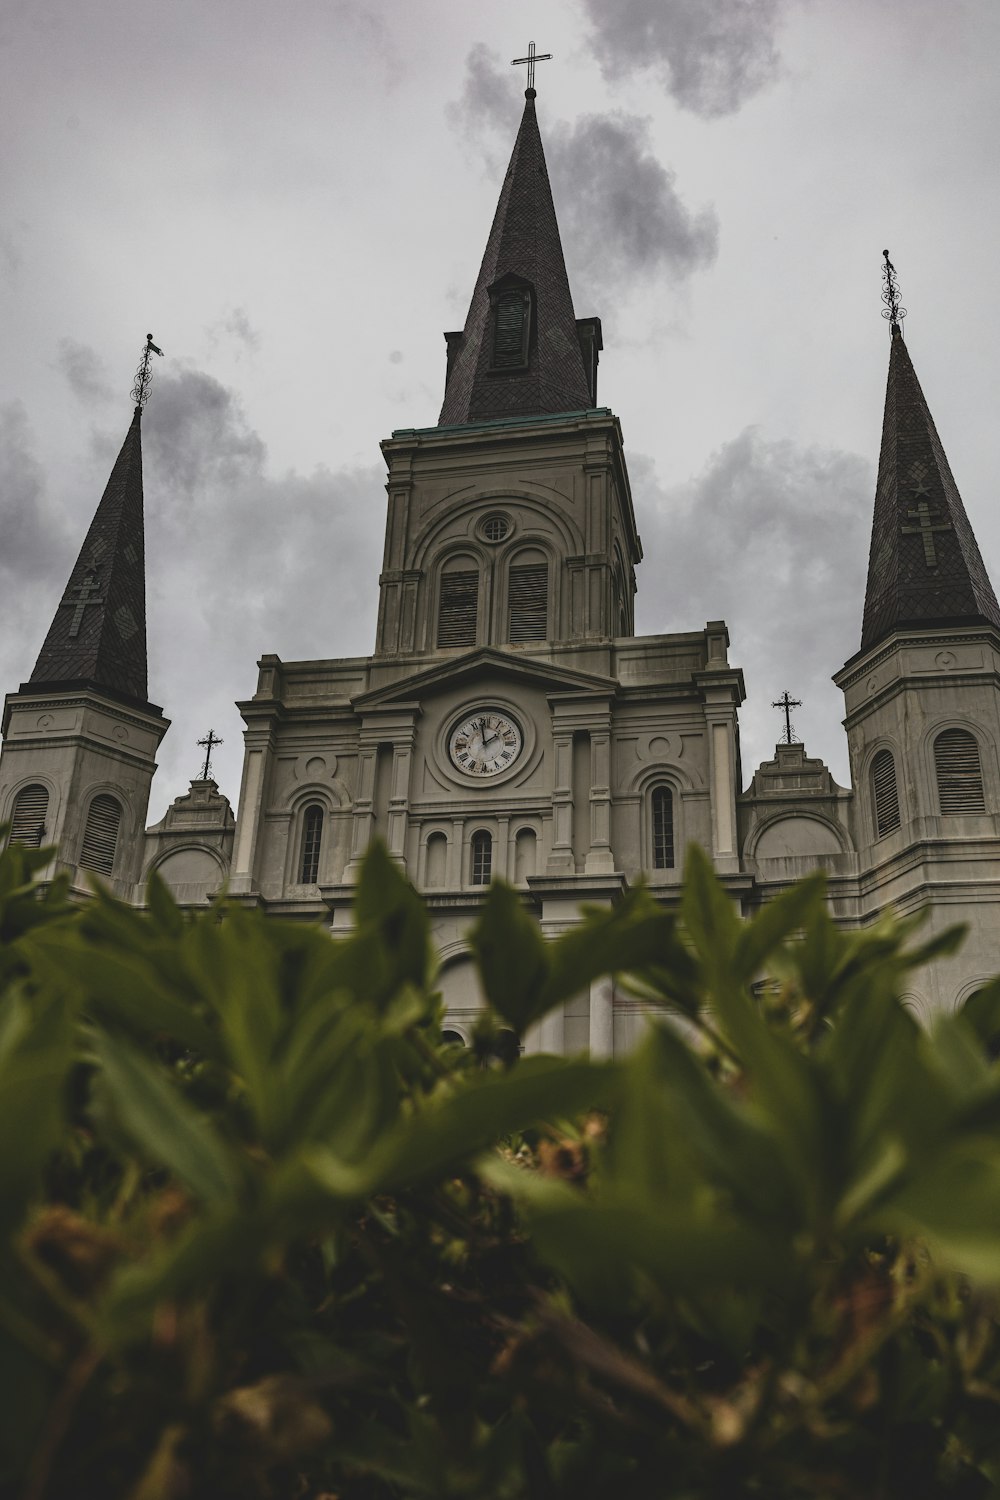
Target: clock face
[{"x": 485, "y": 744}]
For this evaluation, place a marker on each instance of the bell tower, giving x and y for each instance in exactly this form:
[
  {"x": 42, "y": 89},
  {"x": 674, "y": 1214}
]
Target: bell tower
[
  {"x": 80, "y": 736},
  {"x": 510, "y": 524},
  {"x": 923, "y": 692}
]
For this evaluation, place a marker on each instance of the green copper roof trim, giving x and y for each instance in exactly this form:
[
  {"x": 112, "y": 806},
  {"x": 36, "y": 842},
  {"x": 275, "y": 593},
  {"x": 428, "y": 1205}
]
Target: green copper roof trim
[{"x": 547, "y": 418}]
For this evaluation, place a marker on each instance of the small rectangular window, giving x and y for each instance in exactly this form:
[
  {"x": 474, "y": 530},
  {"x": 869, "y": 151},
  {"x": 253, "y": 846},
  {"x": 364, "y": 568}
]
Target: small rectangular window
[
  {"x": 482, "y": 858},
  {"x": 459, "y": 608},
  {"x": 663, "y": 829}
]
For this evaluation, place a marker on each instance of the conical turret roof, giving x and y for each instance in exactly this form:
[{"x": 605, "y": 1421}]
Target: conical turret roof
[
  {"x": 98, "y": 636},
  {"x": 523, "y": 248},
  {"x": 925, "y": 566}
]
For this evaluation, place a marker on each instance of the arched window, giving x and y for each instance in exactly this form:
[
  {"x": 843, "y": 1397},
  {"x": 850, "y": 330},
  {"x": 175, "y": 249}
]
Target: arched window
[
  {"x": 885, "y": 794},
  {"x": 100, "y": 837},
  {"x": 458, "y": 608},
  {"x": 437, "y": 861},
  {"x": 482, "y": 857},
  {"x": 525, "y": 854},
  {"x": 663, "y": 828},
  {"x": 312, "y": 840},
  {"x": 453, "y": 1038},
  {"x": 959, "y": 772},
  {"x": 28, "y": 820},
  {"x": 528, "y": 597}
]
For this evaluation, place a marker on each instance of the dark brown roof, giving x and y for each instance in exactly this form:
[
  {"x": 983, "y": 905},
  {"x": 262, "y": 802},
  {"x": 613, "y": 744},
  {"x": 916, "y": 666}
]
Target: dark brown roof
[
  {"x": 524, "y": 242},
  {"x": 925, "y": 567},
  {"x": 98, "y": 636}
]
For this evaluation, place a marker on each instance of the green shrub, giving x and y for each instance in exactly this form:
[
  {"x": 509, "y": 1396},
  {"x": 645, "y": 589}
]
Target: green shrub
[{"x": 265, "y": 1235}]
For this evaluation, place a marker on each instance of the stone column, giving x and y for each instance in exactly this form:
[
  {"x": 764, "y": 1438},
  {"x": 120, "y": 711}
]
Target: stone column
[
  {"x": 602, "y": 1018},
  {"x": 561, "y": 854}
]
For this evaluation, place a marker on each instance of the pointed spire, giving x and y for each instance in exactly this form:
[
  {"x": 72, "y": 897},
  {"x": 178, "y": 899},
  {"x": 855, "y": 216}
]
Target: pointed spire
[
  {"x": 925, "y": 567},
  {"x": 521, "y": 352},
  {"x": 98, "y": 636}
]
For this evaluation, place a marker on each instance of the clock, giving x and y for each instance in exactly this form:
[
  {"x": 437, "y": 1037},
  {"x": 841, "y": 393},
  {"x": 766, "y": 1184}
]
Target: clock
[{"x": 485, "y": 743}]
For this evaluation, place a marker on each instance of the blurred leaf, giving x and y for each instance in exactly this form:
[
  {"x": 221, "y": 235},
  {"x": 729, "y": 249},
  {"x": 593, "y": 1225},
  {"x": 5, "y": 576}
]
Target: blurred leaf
[
  {"x": 36, "y": 1052},
  {"x": 163, "y": 1125},
  {"x": 512, "y": 955}
]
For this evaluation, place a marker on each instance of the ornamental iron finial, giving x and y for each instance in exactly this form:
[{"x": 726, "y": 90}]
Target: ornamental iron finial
[
  {"x": 786, "y": 703},
  {"x": 890, "y": 295},
  {"x": 210, "y": 741},
  {"x": 144, "y": 375},
  {"x": 531, "y": 59}
]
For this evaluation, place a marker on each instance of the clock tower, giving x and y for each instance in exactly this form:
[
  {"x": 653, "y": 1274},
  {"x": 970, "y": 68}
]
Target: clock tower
[{"x": 509, "y": 723}]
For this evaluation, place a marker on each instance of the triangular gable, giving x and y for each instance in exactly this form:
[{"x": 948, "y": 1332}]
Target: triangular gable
[{"x": 477, "y": 664}]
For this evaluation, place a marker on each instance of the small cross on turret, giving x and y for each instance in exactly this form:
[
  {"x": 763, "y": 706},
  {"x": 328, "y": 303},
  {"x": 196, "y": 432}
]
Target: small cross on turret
[
  {"x": 786, "y": 703},
  {"x": 210, "y": 741}
]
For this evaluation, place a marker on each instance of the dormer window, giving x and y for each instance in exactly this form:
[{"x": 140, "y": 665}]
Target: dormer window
[{"x": 512, "y": 303}]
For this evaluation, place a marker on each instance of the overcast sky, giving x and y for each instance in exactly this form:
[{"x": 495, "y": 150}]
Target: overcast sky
[{"x": 295, "y": 198}]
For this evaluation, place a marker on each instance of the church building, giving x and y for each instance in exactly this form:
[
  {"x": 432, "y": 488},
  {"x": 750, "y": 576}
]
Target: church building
[{"x": 510, "y": 723}]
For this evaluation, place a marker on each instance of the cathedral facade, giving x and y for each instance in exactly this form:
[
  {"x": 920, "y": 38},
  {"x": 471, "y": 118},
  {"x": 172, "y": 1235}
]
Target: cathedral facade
[{"x": 509, "y": 723}]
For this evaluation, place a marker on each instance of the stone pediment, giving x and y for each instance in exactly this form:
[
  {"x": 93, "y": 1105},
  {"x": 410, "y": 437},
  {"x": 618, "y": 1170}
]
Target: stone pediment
[{"x": 480, "y": 664}]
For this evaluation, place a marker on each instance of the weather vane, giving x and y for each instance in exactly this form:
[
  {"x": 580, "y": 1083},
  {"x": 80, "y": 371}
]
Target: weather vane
[
  {"x": 210, "y": 741},
  {"x": 890, "y": 296},
  {"x": 786, "y": 702},
  {"x": 531, "y": 59},
  {"x": 144, "y": 375}
]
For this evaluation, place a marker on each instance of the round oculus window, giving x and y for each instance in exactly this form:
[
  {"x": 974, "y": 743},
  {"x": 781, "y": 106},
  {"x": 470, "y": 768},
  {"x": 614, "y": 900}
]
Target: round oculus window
[
  {"x": 485, "y": 743},
  {"x": 495, "y": 528}
]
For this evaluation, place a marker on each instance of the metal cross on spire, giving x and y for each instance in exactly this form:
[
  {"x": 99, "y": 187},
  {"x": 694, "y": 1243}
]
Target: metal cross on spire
[
  {"x": 210, "y": 741},
  {"x": 144, "y": 375},
  {"x": 786, "y": 702},
  {"x": 890, "y": 295},
  {"x": 531, "y": 59}
]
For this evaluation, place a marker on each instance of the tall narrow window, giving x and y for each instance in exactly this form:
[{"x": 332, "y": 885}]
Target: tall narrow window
[
  {"x": 100, "y": 837},
  {"x": 312, "y": 839},
  {"x": 459, "y": 607},
  {"x": 28, "y": 821},
  {"x": 663, "y": 828},
  {"x": 528, "y": 598},
  {"x": 482, "y": 857},
  {"x": 959, "y": 772},
  {"x": 885, "y": 794},
  {"x": 437, "y": 861},
  {"x": 511, "y": 328}
]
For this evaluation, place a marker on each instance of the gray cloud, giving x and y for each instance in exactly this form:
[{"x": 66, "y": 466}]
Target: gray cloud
[
  {"x": 713, "y": 55},
  {"x": 773, "y": 538},
  {"x": 35, "y": 553},
  {"x": 239, "y": 562},
  {"x": 235, "y": 325},
  {"x": 85, "y": 372},
  {"x": 620, "y": 210}
]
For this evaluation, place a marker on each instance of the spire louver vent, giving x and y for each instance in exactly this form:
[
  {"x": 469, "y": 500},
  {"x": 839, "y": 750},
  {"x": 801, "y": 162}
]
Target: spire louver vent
[
  {"x": 885, "y": 794},
  {"x": 510, "y": 344},
  {"x": 28, "y": 823},
  {"x": 959, "y": 772},
  {"x": 100, "y": 838}
]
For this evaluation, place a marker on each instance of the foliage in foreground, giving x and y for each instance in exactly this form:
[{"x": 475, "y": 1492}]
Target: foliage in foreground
[{"x": 264, "y": 1235}]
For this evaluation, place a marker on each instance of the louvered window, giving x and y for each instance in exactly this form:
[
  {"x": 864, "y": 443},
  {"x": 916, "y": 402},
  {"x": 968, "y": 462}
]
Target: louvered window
[
  {"x": 885, "y": 794},
  {"x": 482, "y": 858},
  {"x": 528, "y": 599},
  {"x": 28, "y": 822},
  {"x": 459, "y": 607},
  {"x": 511, "y": 329},
  {"x": 959, "y": 772},
  {"x": 312, "y": 838},
  {"x": 663, "y": 828},
  {"x": 100, "y": 837}
]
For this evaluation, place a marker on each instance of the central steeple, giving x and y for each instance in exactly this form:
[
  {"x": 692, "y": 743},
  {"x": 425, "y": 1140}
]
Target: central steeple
[{"x": 522, "y": 352}]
